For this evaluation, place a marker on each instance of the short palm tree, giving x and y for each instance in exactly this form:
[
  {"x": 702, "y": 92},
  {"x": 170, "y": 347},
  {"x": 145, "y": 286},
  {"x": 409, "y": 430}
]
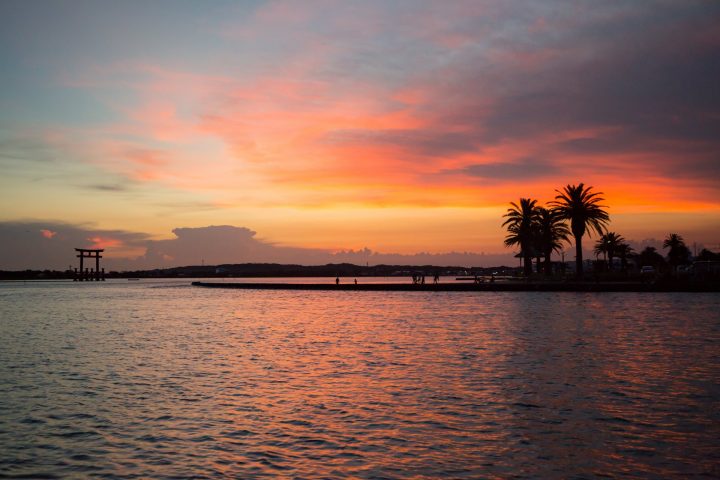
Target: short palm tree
[
  {"x": 520, "y": 220},
  {"x": 609, "y": 244},
  {"x": 582, "y": 208},
  {"x": 679, "y": 252},
  {"x": 649, "y": 256},
  {"x": 552, "y": 232},
  {"x": 623, "y": 251}
]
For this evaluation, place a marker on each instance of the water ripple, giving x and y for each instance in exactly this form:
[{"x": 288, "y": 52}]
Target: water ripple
[{"x": 128, "y": 381}]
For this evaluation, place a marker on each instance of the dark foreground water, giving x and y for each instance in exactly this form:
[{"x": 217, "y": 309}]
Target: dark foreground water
[{"x": 163, "y": 380}]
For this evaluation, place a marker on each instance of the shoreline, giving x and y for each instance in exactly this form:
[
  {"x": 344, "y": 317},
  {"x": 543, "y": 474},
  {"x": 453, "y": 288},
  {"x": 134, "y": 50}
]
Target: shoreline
[{"x": 473, "y": 287}]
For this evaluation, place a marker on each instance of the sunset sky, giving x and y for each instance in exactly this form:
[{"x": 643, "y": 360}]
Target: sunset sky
[{"x": 401, "y": 127}]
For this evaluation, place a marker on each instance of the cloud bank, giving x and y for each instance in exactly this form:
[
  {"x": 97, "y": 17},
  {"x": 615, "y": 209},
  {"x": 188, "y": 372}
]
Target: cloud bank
[{"x": 47, "y": 245}]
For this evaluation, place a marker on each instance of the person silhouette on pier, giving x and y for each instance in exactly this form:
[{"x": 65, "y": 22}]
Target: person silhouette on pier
[{"x": 337, "y": 280}]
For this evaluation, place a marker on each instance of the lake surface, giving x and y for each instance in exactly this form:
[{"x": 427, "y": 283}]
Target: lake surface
[{"x": 157, "y": 379}]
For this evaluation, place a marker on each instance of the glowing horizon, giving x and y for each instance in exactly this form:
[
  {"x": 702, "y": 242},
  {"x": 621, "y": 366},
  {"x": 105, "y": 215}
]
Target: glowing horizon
[{"x": 403, "y": 128}]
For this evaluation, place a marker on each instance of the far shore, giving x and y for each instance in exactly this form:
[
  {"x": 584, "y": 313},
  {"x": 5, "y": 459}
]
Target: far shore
[{"x": 478, "y": 287}]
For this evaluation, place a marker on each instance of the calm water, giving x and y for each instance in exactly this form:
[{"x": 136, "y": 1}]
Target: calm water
[{"x": 159, "y": 379}]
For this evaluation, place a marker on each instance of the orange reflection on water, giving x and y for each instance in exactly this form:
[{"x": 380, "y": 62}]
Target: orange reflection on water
[{"x": 184, "y": 381}]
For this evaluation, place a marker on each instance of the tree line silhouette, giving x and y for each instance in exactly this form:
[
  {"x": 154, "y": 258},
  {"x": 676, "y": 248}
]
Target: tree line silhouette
[{"x": 576, "y": 210}]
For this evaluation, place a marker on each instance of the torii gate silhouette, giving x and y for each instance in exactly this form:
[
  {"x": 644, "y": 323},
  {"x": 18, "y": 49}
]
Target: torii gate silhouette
[{"x": 89, "y": 274}]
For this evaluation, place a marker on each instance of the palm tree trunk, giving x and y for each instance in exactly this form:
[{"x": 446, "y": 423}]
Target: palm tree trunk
[
  {"x": 578, "y": 257},
  {"x": 548, "y": 266},
  {"x": 527, "y": 265}
]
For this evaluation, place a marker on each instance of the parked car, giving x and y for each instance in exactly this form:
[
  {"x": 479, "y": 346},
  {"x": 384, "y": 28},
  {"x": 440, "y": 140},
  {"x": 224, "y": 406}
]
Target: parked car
[{"x": 647, "y": 270}]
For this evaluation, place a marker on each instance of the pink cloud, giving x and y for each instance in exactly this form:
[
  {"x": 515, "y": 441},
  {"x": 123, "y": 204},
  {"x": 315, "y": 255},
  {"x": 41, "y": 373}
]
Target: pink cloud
[
  {"x": 99, "y": 242},
  {"x": 47, "y": 233}
]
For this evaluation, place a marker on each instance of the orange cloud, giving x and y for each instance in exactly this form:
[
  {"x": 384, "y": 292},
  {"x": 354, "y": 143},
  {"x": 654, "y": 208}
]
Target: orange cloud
[
  {"x": 297, "y": 140},
  {"x": 104, "y": 242},
  {"x": 48, "y": 233}
]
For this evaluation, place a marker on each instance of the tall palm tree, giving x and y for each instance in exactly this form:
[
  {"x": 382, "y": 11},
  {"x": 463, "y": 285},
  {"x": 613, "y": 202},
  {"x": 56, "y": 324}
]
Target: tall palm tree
[
  {"x": 679, "y": 252},
  {"x": 537, "y": 247},
  {"x": 520, "y": 224},
  {"x": 609, "y": 244},
  {"x": 552, "y": 231},
  {"x": 582, "y": 208}
]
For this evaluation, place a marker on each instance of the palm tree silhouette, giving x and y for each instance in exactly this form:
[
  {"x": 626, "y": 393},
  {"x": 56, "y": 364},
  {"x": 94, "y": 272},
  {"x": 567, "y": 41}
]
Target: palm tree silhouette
[
  {"x": 551, "y": 232},
  {"x": 679, "y": 252},
  {"x": 609, "y": 244},
  {"x": 623, "y": 251},
  {"x": 582, "y": 208},
  {"x": 650, "y": 256},
  {"x": 707, "y": 255},
  {"x": 520, "y": 224}
]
